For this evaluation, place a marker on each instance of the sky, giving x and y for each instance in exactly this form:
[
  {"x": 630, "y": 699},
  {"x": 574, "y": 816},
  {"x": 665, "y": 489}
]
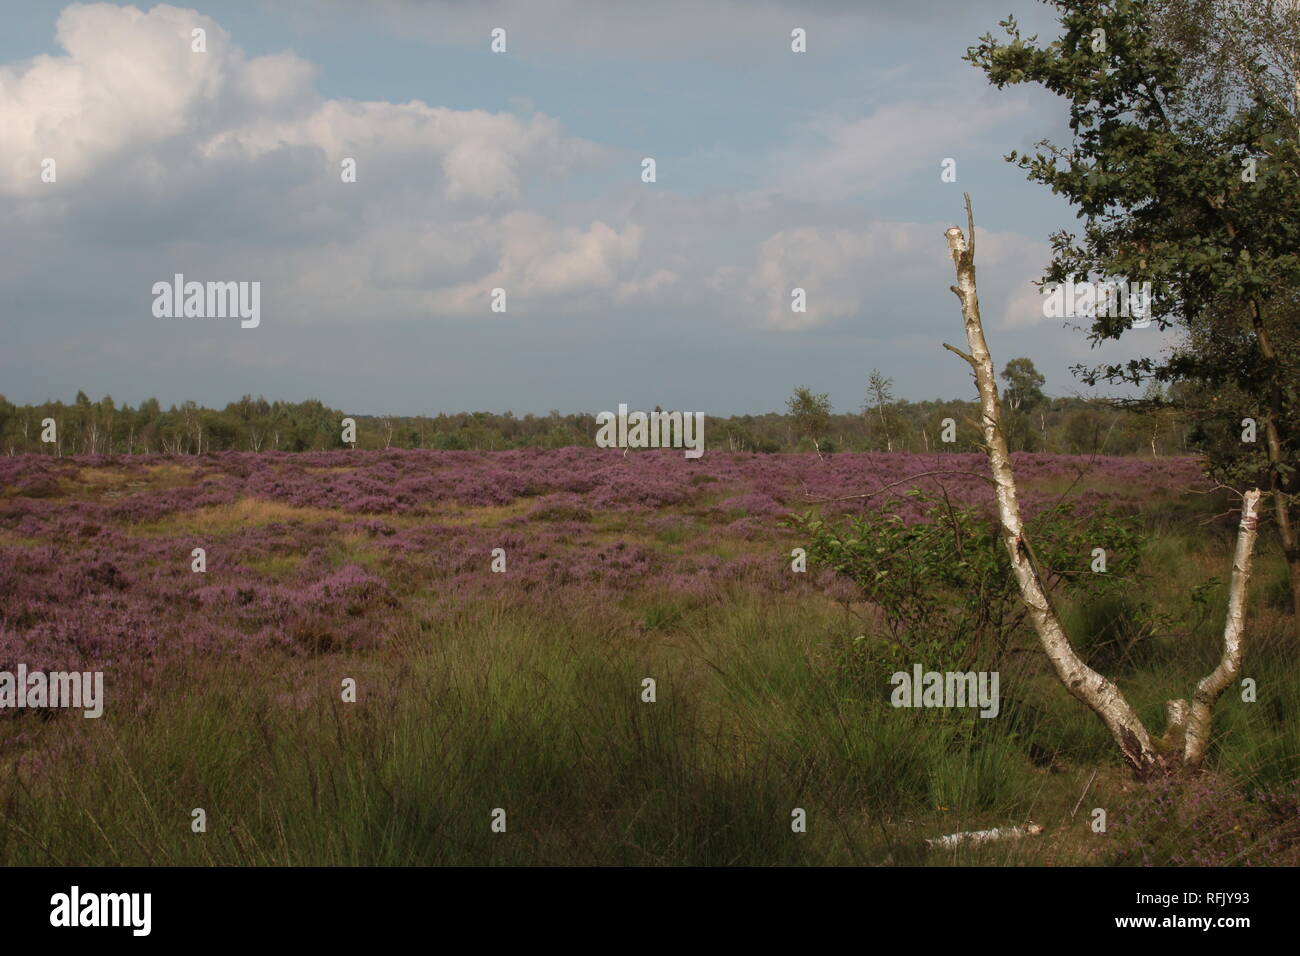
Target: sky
[{"x": 520, "y": 170}]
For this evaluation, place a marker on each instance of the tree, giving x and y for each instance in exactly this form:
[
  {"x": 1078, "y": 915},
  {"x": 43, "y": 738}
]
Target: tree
[
  {"x": 1024, "y": 384},
  {"x": 1183, "y": 745},
  {"x": 1232, "y": 51},
  {"x": 8, "y": 418},
  {"x": 880, "y": 397},
  {"x": 1024, "y": 393},
  {"x": 1198, "y": 205},
  {"x": 811, "y": 414}
]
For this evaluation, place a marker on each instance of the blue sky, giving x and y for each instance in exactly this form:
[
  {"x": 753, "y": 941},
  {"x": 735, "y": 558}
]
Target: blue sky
[{"x": 478, "y": 170}]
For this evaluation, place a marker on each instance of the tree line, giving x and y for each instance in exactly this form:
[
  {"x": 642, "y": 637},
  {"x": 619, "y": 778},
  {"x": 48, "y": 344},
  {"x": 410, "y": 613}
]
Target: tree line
[{"x": 1038, "y": 422}]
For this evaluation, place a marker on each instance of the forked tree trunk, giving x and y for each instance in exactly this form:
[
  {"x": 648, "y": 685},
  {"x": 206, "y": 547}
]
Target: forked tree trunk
[{"x": 1184, "y": 743}]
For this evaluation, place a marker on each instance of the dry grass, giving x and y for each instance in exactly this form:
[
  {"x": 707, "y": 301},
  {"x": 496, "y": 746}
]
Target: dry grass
[
  {"x": 104, "y": 477},
  {"x": 223, "y": 519},
  {"x": 10, "y": 540},
  {"x": 170, "y": 471},
  {"x": 483, "y": 516}
]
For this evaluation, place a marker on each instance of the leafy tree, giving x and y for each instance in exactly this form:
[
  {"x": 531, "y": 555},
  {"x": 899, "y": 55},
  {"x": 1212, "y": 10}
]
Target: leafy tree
[
  {"x": 1024, "y": 384},
  {"x": 1023, "y": 394},
  {"x": 811, "y": 414},
  {"x": 1200, "y": 203},
  {"x": 1232, "y": 51},
  {"x": 880, "y": 398}
]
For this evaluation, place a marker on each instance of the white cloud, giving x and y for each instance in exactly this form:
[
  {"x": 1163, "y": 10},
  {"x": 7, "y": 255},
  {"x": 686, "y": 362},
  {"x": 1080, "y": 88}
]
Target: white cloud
[
  {"x": 834, "y": 157},
  {"x": 220, "y": 165},
  {"x": 130, "y": 86},
  {"x": 1024, "y": 308},
  {"x": 128, "y": 78},
  {"x": 542, "y": 264},
  {"x": 828, "y": 265},
  {"x": 183, "y": 146}
]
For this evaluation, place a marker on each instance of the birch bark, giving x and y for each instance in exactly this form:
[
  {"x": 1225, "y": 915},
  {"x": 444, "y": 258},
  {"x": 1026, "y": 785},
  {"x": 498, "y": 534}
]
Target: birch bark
[{"x": 1186, "y": 737}]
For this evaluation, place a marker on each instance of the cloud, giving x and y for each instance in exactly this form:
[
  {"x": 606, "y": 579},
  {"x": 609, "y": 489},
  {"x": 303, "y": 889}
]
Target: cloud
[
  {"x": 666, "y": 29},
  {"x": 129, "y": 81},
  {"x": 837, "y": 269},
  {"x": 864, "y": 271},
  {"x": 226, "y": 166},
  {"x": 835, "y": 157},
  {"x": 235, "y": 161},
  {"x": 541, "y": 264},
  {"x": 164, "y": 146},
  {"x": 1025, "y": 308},
  {"x": 130, "y": 88}
]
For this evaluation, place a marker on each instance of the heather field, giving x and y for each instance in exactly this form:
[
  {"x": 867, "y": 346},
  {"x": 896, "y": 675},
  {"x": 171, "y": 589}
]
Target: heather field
[{"x": 521, "y": 687}]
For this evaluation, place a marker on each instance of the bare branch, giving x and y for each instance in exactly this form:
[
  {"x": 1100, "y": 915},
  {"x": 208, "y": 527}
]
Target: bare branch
[
  {"x": 976, "y": 837},
  {"x": 956, "y": 350},
  {"x": 903, "y": 481}
]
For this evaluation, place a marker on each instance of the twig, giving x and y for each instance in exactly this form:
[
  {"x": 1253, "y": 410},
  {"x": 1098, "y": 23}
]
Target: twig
[
  {"x": 902, "y": 481},
  {"x": 1086, "y": 788}
]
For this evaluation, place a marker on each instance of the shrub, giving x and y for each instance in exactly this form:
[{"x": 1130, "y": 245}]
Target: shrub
[{"x": 943, "y": 582}]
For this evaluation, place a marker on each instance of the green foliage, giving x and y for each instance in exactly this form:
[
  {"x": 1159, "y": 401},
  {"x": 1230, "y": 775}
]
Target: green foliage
[
  {"x": 1060, "y": 425},
  {"x": 1024, "y": 394},
  {"x": 811, "y": 414},
  {"x": 1024, "y": 384},
  {"x": 1182, "y": 166},
  {"x": 1111, "y": 632},
  {"x": 944, "y": 586},
  {"x": 1162, "y": 197},
  {"x": 881, "y": 410}
]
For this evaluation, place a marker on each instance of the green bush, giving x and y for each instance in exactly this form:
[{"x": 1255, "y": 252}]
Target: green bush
[{"x": 944, "y": 584}]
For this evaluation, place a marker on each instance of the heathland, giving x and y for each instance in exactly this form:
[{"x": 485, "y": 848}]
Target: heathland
[{"x": 500, "y": 613}]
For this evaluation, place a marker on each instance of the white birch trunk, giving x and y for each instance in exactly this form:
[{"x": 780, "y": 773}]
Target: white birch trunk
[
  {"x": 1142, "y": 752},
  {"x": 1217, "y": 681}
]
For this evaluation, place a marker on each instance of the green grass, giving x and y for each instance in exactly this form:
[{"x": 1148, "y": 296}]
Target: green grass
[{"x": 759, "y": 710}]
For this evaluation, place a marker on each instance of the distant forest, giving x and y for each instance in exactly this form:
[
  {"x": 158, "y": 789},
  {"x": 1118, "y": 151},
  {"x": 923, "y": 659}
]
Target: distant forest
[{"x": 1037, "y": 423}]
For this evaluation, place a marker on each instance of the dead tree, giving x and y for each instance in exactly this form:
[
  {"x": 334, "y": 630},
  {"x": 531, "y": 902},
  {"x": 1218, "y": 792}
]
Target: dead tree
[{"x": 1183, "y": 745}]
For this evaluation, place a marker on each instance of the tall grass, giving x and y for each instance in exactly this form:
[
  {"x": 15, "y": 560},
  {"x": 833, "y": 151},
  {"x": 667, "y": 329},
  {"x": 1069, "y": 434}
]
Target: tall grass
[
  {"x": 761, "y": 707},
  {"x": 765, "y": 703}
]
